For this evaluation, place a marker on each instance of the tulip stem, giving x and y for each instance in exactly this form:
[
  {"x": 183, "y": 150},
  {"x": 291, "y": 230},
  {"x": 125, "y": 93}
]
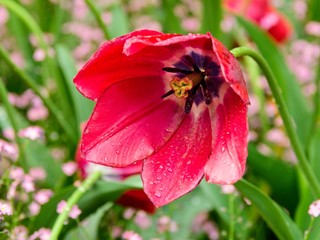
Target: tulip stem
[
  {"x": 285, "y": 115},
  {"x": 75, "y": 197}
]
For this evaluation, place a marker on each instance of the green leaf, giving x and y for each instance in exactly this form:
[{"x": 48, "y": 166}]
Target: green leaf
[
  {"x": 306, "y": 196},
  {"x": 211, "y": 17},
  {"x": 291, "y": 91},
  {"x": 38, "y": 155},
  {"x": 170, "y": 21},
  {"x": 281, "y": 177},
  {"x": 81, "y": 105},
  {"x": 313, "y": 10},
  {"x": 120, "y": 22},
  {"x": 272, "y": 213},
  {"x": 217, "y": 200}
]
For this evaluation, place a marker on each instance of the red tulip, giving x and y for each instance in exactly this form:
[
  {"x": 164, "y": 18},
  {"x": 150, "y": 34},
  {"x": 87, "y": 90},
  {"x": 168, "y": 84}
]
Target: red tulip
[
  {"x": 262, "y": 13},
  {"x": 176, "y": 102}
]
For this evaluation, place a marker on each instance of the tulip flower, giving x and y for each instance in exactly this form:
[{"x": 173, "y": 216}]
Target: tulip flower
[
  {"x": 262, "y": 13},
  {"x": 177, "y": 103}
]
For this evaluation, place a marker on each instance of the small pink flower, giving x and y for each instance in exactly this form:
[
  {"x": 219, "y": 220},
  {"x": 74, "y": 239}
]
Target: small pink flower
[
  {"x": 166, "y": 224},
  {"x": 4, "y": 16},
  {"x": 130, "y": 235},
  {"x": 314, "y": 209},
  {"x": 8, "y": 150},
  {"x": 34, "y": 208},
  {"x": 32, "y": 132},
  {"x": 74, "y": 212},
  {"x": 39, "y": 55},
  {"x": 41, "y": 234},
  {"x": 8, "y": 133},
  {"x": 19, "y": 233},
  {"x": 313, "y": 28},
  {"x": 61, "y": 205},
  {"x": 69, "y": 168},
  {"x": 37, "y": 173},
  {"x": 5, "y": 208},
  {"x": 27, "y": 184},
  {"x": 142, "y": 220},
  {"x": 17, "y": 174},
  {"x": 37, "y": 113},
  {"x": 12, "y": 190},
  {"x": 43, "y": 196}
]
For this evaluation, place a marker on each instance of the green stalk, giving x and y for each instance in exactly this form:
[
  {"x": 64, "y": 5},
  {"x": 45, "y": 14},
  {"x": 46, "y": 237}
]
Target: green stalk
[
  {"x": 55, "y": 111},
  {"x": 307, "y": 233},
  {"x": 285, "y": 115},
  {"x": 231, "y": 215},
  {"x": 98, "y": 18},
  {"x": 14, "y": 125},
  {"x": 75, "y": 197}
]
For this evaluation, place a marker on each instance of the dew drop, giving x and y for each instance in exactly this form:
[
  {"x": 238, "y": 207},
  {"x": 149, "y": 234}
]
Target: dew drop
[
  {"x": 118, "y": 152},
  {"x": 159, "y": 178},
  {"x": 161, "y": 167},
  {"x": 158, "y": 194},
  {"x": 189, "y": 162},
  {"x": 223, "y": 149},
  {"x": 170, "y": 170},
  {"x": 151, "y": 183}
]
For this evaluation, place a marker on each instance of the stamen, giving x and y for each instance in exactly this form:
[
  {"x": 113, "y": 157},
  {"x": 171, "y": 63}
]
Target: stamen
[
  {"x": 206, "y": 93},
  {"x": 176, "y": 70},
  {"x": 190, "y": 99},
  {"x": 194, "y": 65},
  {"x": 181, "y": 86},
  {"x": 189, "y": 103},
  {"x": 167, "y": 94}
]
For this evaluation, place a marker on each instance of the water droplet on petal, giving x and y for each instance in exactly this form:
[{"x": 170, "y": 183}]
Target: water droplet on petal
[
  {"x": 170, "y": 170},
  {"x": 158, "y": 194},
  {"x": 159, "y": 178},
  {"x": 151, "y": 183},
  {"x": 189, "y": 162},
  {"x": 161, "y": 167}
]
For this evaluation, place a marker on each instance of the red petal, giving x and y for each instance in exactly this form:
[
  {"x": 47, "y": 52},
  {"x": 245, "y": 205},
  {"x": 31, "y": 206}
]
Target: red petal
[
  {"x": 226, "y": 164},
  {"x": 253, "y": 9},
  {"x": 109, "y": 65},
  {"x": 231, "y": 70},
  {"x": 137, "y": 199},
  {"x": 177, "y": 167},
  {"x": 129, "y": 122},
  {"x": 282, "y": 30}
]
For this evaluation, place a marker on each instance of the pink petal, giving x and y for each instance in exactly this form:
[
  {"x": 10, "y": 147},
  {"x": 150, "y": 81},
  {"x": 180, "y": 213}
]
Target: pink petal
[
  {"x": 226, "y": 164},
  {"x": 109, "y": 65},
  {"x": 130, "y": 122},
  {"x": 177, "y": 167},
  {"x": 231, "y": 70}
]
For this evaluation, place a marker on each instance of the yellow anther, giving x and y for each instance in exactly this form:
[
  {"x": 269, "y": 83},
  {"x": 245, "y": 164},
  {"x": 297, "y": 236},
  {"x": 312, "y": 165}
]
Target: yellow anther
[{"x": 181, "y": 86}]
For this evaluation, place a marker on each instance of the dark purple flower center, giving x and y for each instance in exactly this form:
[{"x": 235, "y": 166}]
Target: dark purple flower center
[{"x": 196, "y": 80}]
